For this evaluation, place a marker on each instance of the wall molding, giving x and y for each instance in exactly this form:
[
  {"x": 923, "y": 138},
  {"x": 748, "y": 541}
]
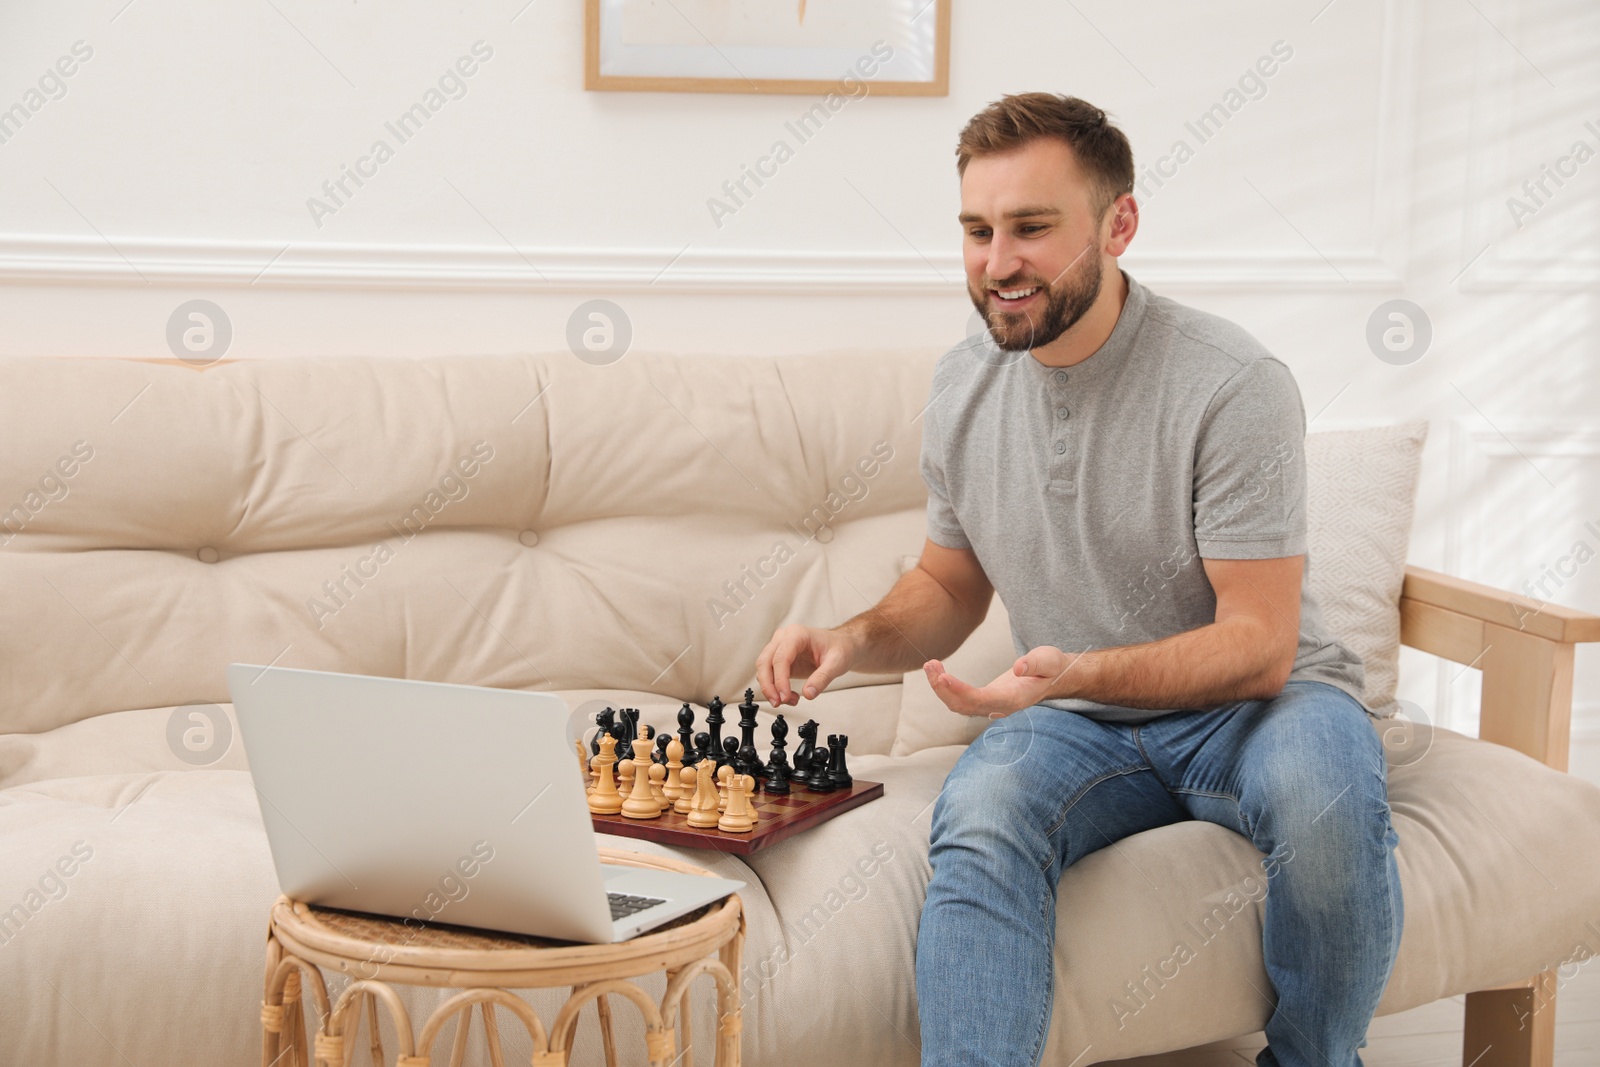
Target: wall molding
[
  {"x": 119, "y": 261},
  {"x": 1472, "y": 448},
  {"x": 1495, "y": 112},
  {"x": 138, "y": 261}
]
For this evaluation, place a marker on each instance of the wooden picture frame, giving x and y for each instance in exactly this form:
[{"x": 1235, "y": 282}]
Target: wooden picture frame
[{"x": 921, "y": 66}]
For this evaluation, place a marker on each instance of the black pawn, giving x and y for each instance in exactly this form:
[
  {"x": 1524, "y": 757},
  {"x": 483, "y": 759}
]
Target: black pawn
[
  {"x": 777, "y": 781},
  {"x": 702, "y": 746},
  {"x": 686, "y": 733},
  {"x": 663, "y": 739},
  {"x": 730, "y": 755},
  {"x": 818, "y": 781},
  {"x": 837, "y": 772}
]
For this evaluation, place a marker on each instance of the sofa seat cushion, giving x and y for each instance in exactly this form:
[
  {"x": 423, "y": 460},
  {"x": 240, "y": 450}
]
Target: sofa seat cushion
[
  {"x": 1500, "y": 867},
  {"x": 161, "y": 922}
]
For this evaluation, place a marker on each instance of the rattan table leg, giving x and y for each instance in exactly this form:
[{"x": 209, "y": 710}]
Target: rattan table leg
[
  {"x": 294, "y": 1022},
  {"x": 458, "y": 1051},
  {"x": 729, "y": 1006},
  {"x": 491, "y": 1034},
  {"x": 679, "y": 1020},
  {"x": 271, "y": 1016},
  {"x": 603, "y": 1007},
  {"x": 282, "y": 1008},
  {"x": 375, "y": 1037}
]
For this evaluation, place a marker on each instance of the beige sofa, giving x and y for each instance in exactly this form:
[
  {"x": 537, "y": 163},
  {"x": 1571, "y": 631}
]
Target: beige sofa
[{"x": 634, "y": 533}]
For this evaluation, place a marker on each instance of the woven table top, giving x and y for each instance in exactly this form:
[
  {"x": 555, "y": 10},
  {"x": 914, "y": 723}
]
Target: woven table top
[{"x": 440, "y": 953}]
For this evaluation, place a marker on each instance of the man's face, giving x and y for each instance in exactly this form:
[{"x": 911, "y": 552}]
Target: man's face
[{"x": 1031, "y": 243}]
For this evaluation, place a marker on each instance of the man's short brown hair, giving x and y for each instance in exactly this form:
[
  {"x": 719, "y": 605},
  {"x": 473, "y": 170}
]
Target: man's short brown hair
[{"x": 1014, "y": 120}]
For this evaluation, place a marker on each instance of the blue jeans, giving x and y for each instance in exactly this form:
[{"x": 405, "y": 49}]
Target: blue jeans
[{"x": 1301, "y": 775}]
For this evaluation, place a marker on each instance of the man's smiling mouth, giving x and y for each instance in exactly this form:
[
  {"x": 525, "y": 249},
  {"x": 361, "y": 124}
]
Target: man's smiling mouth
[{"x": 1007, "y": 297}]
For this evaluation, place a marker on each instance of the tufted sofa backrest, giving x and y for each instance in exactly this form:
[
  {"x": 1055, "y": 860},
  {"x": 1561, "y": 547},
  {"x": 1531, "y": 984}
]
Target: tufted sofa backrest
[{"x": 518, "y": 521}]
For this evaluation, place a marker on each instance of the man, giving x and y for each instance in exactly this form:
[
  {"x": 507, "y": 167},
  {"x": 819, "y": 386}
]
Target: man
[{"x": 1127, "y": 473}]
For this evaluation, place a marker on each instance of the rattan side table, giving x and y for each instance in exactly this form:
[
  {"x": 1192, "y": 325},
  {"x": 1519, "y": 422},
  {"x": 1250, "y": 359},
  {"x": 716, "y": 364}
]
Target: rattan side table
[{"x": 379, "y": 953}]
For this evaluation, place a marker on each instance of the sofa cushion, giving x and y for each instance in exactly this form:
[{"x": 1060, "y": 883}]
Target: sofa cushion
[
  {"x": 925, "y": 722},
  {"x": 1361, "y": 488},
  {"x": 1360, "y": 496},
  {"x": 171, "y": 906},
  {"x": 161, "y": 922},
  {"x": 1500, "y": 868},
  {"x": 461, "y": 519}
]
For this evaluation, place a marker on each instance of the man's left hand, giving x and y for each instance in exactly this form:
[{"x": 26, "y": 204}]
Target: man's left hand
[{"x": 1033, "y": 678}]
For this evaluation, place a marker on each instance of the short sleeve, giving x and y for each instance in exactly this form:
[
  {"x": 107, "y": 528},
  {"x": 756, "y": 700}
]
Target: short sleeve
[
  {"x": 943, "y": 526},
  {"x": 1250, "y": 467}
]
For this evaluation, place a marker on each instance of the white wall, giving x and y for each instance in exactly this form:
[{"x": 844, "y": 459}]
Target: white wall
[{"x": 1377, "y": 164}]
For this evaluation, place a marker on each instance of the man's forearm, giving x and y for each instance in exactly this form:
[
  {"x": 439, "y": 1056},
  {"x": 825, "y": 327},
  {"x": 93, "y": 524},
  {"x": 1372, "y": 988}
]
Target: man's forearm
[
  {"x": 916, "y": 621},
  {"x": 1235, "y": 659}
]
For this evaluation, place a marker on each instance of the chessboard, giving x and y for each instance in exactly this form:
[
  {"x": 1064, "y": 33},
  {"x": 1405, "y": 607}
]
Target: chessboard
[
  {"x": 743, "y": 800},
  {"x": 780, "y": 817}
]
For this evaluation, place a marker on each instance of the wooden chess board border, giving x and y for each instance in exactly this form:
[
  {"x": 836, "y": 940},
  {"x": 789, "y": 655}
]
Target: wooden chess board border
[{"x": 673, "y": 829}]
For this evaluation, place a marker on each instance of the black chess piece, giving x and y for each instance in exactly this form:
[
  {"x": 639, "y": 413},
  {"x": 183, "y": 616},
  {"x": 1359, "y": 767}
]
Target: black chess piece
[
  {"x": 776, "y": 771},
  {"x": 818, "y": 781},
  {"x": 748, "y": 720},
  {"x": 631, "y": 717},
  {"x": 749, "y": 758},
  {"x": 686, "y": 733},
  {"x": 605, "y": 719},
  {"x": 802, "y": 755},
  {"x": 838, "y": 773},
  {"x": 730, "y": 755},
  {"x": 779, "y": 756},
  {"x": 750, "y": 763},
  {"x": 663, "y": 739},
  {"x": 714, "y": 722},
  {"x": 702, "y": 746},
  {"x": 776, "y": 782},
  {"x": 747, "y": 732}
]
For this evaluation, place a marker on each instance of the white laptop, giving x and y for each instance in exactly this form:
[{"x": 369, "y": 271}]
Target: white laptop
[{"x": 444, "y": 803}]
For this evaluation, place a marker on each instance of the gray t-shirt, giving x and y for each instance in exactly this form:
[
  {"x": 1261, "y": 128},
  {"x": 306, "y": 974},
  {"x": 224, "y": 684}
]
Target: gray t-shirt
[{"x": 1090, "y": 493}]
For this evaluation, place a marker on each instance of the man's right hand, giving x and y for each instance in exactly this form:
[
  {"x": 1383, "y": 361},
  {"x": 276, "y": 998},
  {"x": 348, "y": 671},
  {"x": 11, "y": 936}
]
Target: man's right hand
[{"x": 820, "y": 655}]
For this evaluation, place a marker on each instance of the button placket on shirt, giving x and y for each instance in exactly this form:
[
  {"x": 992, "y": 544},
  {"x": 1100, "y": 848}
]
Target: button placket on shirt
[{"x": 1063, "y": 463}]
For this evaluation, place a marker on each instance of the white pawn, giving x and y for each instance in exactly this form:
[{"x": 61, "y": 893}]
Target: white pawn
[
  {"x": 673, "y": 788},
  {"x": 641, "y": 802},
  {"x": 658, "y": 775}
]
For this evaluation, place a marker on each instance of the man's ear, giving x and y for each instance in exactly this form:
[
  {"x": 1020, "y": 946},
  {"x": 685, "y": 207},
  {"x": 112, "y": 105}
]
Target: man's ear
[{"x": 1121, "y": 223}]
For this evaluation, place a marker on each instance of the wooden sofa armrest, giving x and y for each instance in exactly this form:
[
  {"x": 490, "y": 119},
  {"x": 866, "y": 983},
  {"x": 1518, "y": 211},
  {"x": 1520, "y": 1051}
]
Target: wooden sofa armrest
[
  {"x": 1488, "y": 604},
  {"x": 1523, "y": 646}
]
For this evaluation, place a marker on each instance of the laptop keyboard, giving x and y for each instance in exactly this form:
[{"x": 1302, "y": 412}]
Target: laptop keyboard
[{"x": 623, "y": 905}]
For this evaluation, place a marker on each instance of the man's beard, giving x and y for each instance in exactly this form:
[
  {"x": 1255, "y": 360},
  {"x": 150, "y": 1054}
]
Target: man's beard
[{"x": 1065, "y": 303}]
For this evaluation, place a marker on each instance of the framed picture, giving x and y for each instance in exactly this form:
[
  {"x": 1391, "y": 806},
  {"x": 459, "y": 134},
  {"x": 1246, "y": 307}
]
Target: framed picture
[{"x": 896, "y": 47}]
